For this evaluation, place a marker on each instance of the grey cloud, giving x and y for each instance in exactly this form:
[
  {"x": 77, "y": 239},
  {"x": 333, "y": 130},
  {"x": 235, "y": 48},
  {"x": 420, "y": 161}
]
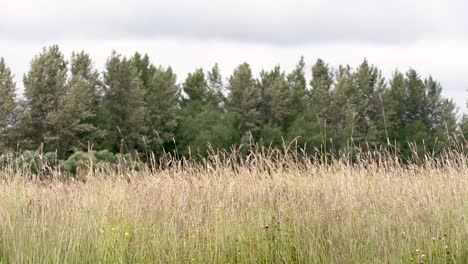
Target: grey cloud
[{"x": 279, "y": 22}]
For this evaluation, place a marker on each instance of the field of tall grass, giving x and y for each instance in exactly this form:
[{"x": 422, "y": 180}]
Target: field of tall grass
[{"x": 266, "y": 207}]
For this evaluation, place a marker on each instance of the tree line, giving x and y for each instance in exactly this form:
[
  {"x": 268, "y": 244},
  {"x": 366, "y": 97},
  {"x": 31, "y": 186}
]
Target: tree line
[{"x": 134, "y": 106}]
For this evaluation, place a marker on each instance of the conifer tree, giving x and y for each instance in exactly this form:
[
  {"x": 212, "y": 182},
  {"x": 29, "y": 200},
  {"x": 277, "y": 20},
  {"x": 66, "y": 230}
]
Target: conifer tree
[
  {"x": 161, "y": 113},
  {"x": 243, "y": 101},
  {"x": 44, "y": 86},
  {"x": 369, "y": 119},
  {"x": 124, "y": 105},
  {"x": 320, "y": 94},
  {"x": 273, "y": 105},
  {"x": 7, "y": 105},
  {"x": 196, "y": 87},
  {"x": 297, "y": 100},
  {"x": 144, "y": 68},
  {"x": 216, "y": 86},
  {"x": 343, "y": 120},
  {"x": 79, "y": 106}
]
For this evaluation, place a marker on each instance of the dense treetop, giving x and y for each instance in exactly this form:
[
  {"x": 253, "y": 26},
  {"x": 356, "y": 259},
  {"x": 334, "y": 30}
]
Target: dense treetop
[{"x": 134, "y": 106}]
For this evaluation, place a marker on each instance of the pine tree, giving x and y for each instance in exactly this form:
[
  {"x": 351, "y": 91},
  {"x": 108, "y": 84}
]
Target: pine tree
[
  {"x": 44, "y": 85},
  {"x": 440, "y": 116},
  {"x": 203, "y": 123},
  {"x": 416, "y": 96},
  {"x": 79, "y": 106},
  {"x": 273, "y": 105},
  {"x": 144, "y": 68},
  {"x": 370, "y": 85},
  {"x": 201, "y": 128},
  {"x": 320, "y": 94},
  {"x": 161, "y": 114},
  {"x": 216, "y": 87},
  {"x": 396, "y": 105},
  {"x": 302, "y": 123},
  {"x": 7, "y": 105},
  {"x": 124, "y": 105},
  {"x": 440, "y": 112},
  {"x": 196, "y": 87},
  {"x": 343, "y": 120},
  {"x": 297, "y": 100},
  {"x": 243, "y": 101}
]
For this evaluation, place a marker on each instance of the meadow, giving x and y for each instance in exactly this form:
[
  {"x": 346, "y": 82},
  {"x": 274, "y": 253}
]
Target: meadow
[{"x": 267, "y": 207}]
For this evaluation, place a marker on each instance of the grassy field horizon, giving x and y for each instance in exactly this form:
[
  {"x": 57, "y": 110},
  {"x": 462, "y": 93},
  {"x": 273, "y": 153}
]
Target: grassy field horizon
[{"x": 265, "y": 209}]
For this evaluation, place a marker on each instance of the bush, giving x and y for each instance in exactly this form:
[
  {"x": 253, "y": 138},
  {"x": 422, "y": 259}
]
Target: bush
[{"x": 76, "y": 162}]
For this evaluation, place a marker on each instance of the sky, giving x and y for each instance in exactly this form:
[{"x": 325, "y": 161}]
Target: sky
[{"x": 427, "y": 35}]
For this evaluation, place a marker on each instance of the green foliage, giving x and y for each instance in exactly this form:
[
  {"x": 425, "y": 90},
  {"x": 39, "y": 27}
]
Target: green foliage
[
  {"x": 297, "y": 101},
  {"x": 320, "y": 97},
  {"x": 161, "y": 114},
  {"x": 243, "y": 101},
  {"x": 144, "y": 68},
  {"x": 77, "y": 161},
  {"x": 307, "y": 133},
  {"x": 124, "y": 105},
  {"x": 44, "y": 86},
  {"x": 7, "y": 105},
  {"x": 105, "y": 156},
  {"x": 215, "y": 85},
  {"x": 36, "y": 163},
  {"x": 202, "y": 128},
  {"x": 138, "y": 109},
  {"x": 273, "y": 97}
]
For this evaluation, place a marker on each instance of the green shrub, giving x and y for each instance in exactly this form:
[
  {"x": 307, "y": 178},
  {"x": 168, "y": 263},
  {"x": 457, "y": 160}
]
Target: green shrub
[{"x": 75, "y": 162}]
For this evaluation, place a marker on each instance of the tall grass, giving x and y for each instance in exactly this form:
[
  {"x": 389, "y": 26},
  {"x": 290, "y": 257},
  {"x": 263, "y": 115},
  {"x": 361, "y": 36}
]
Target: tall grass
[{"x": 267, "y": 207}]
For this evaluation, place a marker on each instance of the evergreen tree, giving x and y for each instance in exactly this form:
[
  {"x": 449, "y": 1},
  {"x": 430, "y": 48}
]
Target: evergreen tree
[
  {"x": 243, "y": 101},
  {"x": 215, "y": 85},
  {"x": 440, "y": 112},
  {"x": 396, "y": 105},
  {"x": 203, "y": 127},
  {"x": 144, "y": 68},
  {"x": 297, "y": 100},
  {"x": 45, "y": 85},
  {"x": 367, "y": 102},
  {"x": 196, "y": 88},
  {"x": 302, "y": 123},
  {"x": 161, "y": 114},
  {"x": 7, "y": 105},
  {"x": 440, "y": 116},
  {"x": 203, "y": 124},
  {"x": 273, "y": 105},
  {"x": 320, "y": 94},
  {"x": 343, "y": 120},
  {"x": 124, "y": 105},
  {"x": 78, "y": 107}
]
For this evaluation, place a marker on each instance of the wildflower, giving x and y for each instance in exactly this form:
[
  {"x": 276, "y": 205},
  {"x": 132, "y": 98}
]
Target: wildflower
[
  {"x": 127, "y": 234},
  {"x": 112, "y": 229},
  {"x": 197, "y": 230},
  {"x": 423, "y": 256},
  {"x": 193, "y": 236}
]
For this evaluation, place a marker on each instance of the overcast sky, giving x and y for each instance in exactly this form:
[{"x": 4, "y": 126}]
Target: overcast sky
[{"x": 430, "y": 36}]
